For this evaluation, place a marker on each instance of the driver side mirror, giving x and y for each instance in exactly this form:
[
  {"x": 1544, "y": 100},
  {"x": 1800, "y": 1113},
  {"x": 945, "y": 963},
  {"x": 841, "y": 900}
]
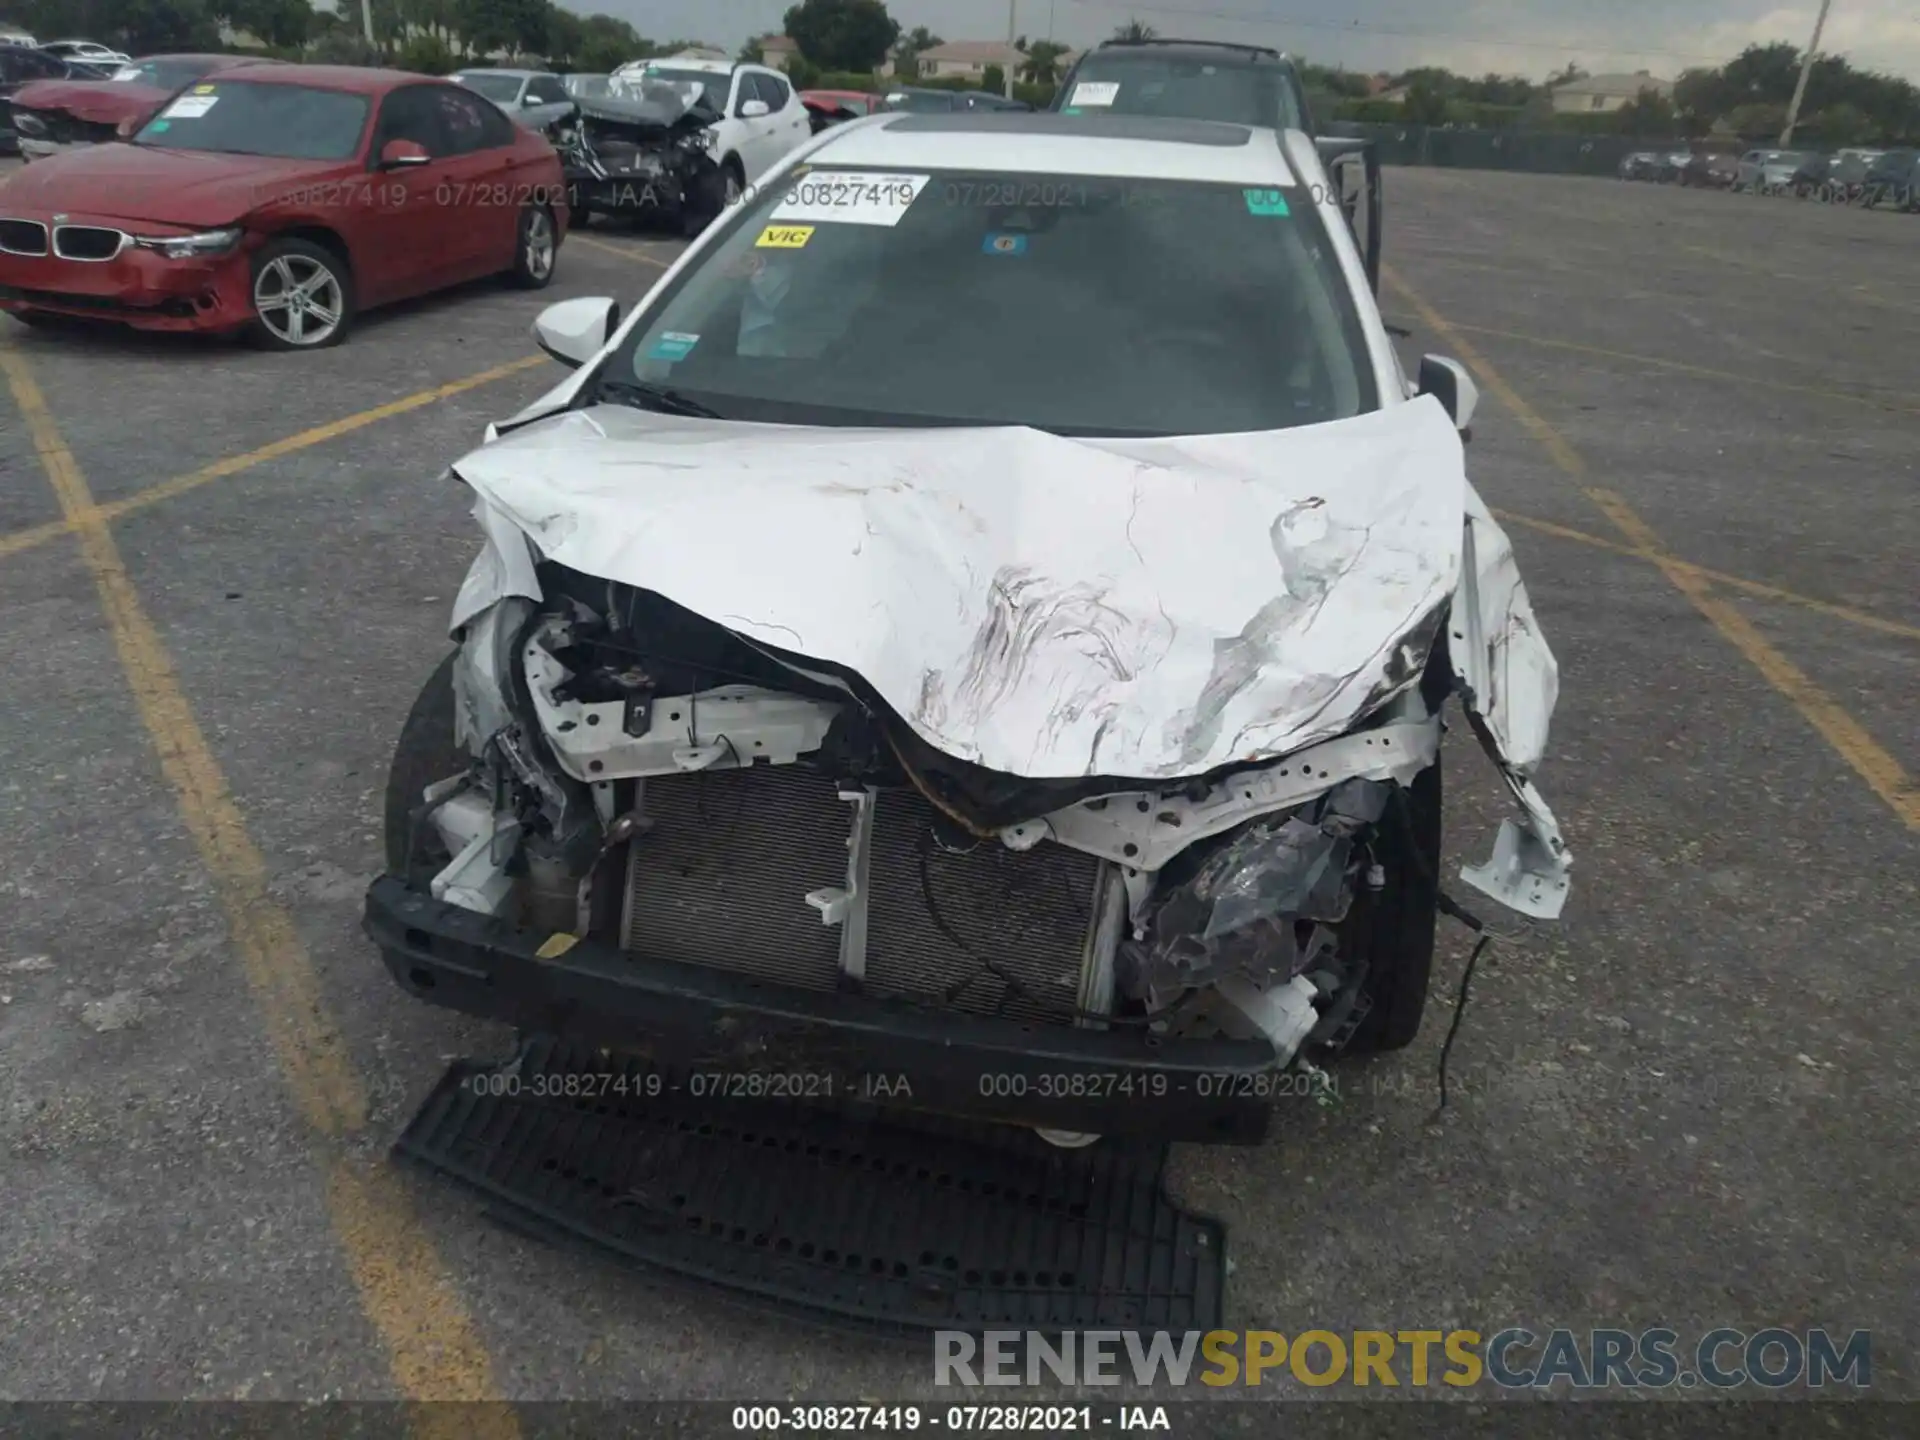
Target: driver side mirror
[
  {"x": 128, "y": 128},
  {"x": 753, "y": 109},
  {"x": 574, "y": 331},
  {"x": 1449, "y": 383},
  {"x": 400, "y": 154}
]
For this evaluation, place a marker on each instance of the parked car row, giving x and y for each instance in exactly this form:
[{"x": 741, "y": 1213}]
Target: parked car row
[{"x": 1873, "y": 178}]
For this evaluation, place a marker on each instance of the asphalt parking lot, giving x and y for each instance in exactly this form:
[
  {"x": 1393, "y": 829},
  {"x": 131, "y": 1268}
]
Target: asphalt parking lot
[{"x": 1692, "y": 1103}]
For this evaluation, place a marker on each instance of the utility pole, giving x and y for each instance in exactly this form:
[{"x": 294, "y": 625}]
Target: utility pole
[
  {"x": 1806, "y": 68},
  {"x": 366, "y": 19},
  {"x": 1013, "y": 7}
]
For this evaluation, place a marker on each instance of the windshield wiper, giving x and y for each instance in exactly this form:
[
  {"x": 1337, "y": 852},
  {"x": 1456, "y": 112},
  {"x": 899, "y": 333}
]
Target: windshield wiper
[{"x": 663, "y": 398}]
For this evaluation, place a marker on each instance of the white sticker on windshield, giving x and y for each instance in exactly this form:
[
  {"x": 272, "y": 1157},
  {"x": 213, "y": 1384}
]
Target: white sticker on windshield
[
  {"x": 1095, "y": 92},
  {"x": 191, "y": 107},
  {"x": 849, "y": 197}
]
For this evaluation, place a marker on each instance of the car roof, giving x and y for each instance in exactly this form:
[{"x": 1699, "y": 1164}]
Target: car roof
[
  {"x": 1196, "y": 49},
  {"x": 229, "y": 62},
  {"x": 353, "y": 79},
  {"x": 1138, "y": 146},
  {"x": 712, "y": 67}
]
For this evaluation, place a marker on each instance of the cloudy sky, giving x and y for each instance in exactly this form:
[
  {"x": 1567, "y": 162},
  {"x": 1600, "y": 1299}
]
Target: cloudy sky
[{"x": 1527, "y": 37}]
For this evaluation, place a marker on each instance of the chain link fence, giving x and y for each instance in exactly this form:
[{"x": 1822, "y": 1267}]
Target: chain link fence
[{"x": 1542, "y": 151}]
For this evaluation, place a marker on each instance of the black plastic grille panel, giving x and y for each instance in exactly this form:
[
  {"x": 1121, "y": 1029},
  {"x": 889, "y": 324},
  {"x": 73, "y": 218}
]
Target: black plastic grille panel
[{"x": 901, "y": 1224}]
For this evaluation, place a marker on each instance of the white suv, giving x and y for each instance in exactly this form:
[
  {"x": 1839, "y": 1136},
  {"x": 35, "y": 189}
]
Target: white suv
[{"x": 762, "y": 117}]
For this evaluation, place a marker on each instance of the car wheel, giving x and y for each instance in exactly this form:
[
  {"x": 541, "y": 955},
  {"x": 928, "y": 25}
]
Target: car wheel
[
  {"x": 537, "y": 247},
  {"x": 425, "y": 754},
  {"x": 734, "y": 181},
  {"x": 1395, "y": 926},
  {"x": 302, "y": 296}
]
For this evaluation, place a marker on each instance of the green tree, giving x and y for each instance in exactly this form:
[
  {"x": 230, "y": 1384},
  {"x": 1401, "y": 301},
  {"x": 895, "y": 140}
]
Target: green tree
[
  {"x": 284, "y": 24},
  {"x": 1648, "y": 113},
  {"x": 843, "y": 34},
  {"x": 343, "y": 45},
  {"x": 490, "y": 25},
  {"x": 1841, "y": 124},
  {"x": 1426, "y": 103},
  {"x": 1763, "y": 120},
  {"x": 1041, "y": 65},
  {"x": 137, "y": 26},
  {"x": 993, "y": 79},
  {"x": 606, "y": 43},
  {"x": 911, "y": 46},
  {"x": 566, "y": 37},
  {"x": 751, "y": 53},
  {"x": 427, "y": 55},
  {"x": 1133, "y": 30}
]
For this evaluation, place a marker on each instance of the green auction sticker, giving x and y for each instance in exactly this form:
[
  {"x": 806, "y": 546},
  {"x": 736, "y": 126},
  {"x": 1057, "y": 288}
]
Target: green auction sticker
[{"x": 1266, "y": 202}]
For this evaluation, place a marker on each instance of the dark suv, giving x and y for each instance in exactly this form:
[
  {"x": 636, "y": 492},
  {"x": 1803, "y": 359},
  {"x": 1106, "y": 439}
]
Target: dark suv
[{"x": 1234, "y": 84}]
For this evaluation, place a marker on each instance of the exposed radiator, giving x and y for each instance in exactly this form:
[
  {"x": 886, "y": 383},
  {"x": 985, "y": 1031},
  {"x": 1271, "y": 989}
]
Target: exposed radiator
[{"x": 722, "y": 876}]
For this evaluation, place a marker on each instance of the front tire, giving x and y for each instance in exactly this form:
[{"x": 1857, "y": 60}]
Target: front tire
[
  {"x": 535, "y": 249},
  {"x": 1396, "y": 923},
  {"x": 425, "y": 754},
  {"x": 302, "y": 296}
]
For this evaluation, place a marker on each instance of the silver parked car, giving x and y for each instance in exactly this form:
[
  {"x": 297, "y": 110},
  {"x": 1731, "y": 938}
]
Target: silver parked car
[
  {"x": 534, "y": 98},
  {"x": 1767, "y": 172}
]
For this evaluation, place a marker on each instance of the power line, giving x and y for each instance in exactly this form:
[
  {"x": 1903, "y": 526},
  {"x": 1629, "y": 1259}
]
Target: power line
[{"x": 1356, "y": 27}]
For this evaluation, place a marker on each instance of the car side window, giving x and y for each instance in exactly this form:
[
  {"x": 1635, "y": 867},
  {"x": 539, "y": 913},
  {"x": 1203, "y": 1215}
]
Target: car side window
[
  {"x": 465, "y": 118},
  {"x": 412, "y": 114},
  {"x": 774, "y": 91},
  {"x": 546, "y": 90},
  {"x": 743, "y": 91}
]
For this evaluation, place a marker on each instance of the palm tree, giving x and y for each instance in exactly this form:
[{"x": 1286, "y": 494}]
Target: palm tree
[
  {"x": 1134, "y": 31},
  {"x": 1042, "y": 63}
]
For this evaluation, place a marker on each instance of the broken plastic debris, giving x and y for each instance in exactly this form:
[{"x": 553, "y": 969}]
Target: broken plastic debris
[{"x": 1238, "y": 915}]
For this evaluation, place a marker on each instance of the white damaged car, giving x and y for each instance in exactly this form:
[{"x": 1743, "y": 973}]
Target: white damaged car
[{"x": 982, "y": 622}]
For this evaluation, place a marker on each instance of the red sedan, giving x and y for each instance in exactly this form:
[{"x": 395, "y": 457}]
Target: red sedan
[
  {"x": 56, "y": 115},
  {"x": 280, "y": 201}
]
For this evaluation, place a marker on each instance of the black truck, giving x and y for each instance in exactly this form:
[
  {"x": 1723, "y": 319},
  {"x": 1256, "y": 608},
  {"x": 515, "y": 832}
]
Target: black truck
[{"x": 1238, "y": 84}]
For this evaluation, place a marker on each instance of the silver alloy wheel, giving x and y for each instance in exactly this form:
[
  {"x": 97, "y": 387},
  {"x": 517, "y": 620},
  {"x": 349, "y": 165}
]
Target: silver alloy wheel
[
  {"x": 298, "y": 299},
  {"x": 539, "y": 244},
  {"x": 733, "y": 188}
]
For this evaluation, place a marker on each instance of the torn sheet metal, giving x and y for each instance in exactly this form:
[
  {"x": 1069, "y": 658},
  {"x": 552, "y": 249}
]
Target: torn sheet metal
[
  {"x": 1241, "y": 913},
  {"x": 1042, "y": 606},
  {"x": 1509, "y": 682},
  {"x": 1144, "y": 830}
]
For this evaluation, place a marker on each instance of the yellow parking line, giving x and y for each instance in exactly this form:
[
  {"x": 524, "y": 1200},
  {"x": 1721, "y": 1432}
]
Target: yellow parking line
[
  {"x": 1892, "y": 400},
  {"x": 26, "y": 539},
  {"x": 434, "y": 1350},
  {"x": 1865, "y": 619},
  {"x": 624, "y": 252},
  {"x": 1882, "y": 773}
]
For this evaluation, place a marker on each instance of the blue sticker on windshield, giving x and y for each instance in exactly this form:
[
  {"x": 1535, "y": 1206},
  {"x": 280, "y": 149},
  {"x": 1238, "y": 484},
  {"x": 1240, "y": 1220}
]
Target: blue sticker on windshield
[
  {"x": 1071, "y": 110},
  {"x": 159, "y": 127},
  {"x": 1004, "y": 245},
  {"x": 673, "y": 345},
  {"x": 1266, "y": 202}
]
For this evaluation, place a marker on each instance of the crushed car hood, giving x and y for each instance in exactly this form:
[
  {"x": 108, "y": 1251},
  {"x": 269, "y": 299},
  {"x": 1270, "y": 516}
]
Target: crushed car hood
[
  {"x": 648, "y": 118},
  {"x": 170, "y": 187},
  {"x": 1041, "y": 606},
  {"x": 95, "y": 101}
]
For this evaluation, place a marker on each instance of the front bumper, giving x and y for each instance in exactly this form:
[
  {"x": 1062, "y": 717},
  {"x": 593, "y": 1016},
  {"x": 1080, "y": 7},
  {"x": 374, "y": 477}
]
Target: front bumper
[
  {"x": 136, "y": 287},
  {"x": 727, "y": 1026}
]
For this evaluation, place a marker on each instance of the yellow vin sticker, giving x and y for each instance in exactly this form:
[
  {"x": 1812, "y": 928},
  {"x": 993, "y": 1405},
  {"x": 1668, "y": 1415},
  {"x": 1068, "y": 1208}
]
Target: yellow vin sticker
[{"x": 784, "y": 237}]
